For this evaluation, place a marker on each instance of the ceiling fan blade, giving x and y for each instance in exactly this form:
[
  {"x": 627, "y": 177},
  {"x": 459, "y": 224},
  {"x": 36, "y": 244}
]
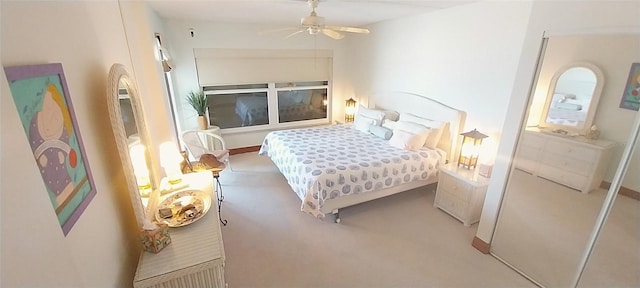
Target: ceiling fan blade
[
  {"x": 349, "y": 29},
  {"x": 297, "y": 32},
  {"x": 332, "y": 34},
  {"x": 278, "y": 30}
]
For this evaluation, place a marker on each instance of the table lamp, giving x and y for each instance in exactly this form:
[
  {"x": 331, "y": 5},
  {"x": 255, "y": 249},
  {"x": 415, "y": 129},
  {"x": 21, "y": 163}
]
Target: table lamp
[{"x": 470, "y": 151}]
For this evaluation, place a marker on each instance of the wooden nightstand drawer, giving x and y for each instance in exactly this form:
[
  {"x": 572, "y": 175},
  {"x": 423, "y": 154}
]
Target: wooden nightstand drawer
[
  {"x": 452, "y": 205},
  {"x": 456, "y": 188},
  {"x": 461, "y": 193}
]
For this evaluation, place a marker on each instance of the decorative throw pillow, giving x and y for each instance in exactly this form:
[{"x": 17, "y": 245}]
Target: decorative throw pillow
[
  {"x": 381, "y": 132},
  {"x": 389, "y": 114}
]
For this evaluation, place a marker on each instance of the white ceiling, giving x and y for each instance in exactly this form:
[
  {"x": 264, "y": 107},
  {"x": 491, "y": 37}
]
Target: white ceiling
[{"x": 289, "y": 12}]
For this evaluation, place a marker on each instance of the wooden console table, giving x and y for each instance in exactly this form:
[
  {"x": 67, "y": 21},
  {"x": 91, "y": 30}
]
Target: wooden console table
[{"x": 195, "y": 258}]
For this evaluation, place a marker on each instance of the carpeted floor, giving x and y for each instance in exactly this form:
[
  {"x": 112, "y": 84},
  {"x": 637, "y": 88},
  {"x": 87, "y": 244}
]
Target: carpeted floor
[{"x": 397, "y": 241}]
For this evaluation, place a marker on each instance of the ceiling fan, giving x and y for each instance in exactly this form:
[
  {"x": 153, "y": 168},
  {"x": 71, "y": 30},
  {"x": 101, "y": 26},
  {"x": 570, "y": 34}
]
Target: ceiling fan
[{"x": 314, "y": 24}]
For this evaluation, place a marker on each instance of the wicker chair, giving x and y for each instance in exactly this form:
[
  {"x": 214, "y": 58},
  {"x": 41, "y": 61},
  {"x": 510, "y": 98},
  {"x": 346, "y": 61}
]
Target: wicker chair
[{"x": 199, "y": 142}]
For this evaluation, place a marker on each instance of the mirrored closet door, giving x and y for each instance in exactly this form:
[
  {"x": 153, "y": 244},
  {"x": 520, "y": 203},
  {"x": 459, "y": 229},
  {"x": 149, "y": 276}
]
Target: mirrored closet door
[{"x": 570, "y": 145}]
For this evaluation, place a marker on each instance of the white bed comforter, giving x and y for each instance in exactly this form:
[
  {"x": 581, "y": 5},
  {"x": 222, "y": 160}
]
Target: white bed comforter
[{"x": 328, "y": 162}]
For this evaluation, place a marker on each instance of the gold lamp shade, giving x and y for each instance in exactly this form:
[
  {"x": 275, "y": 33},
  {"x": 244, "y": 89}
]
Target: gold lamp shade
[
  {"x": 349, "y": 110},
  {"x": 470, "y": 151}
]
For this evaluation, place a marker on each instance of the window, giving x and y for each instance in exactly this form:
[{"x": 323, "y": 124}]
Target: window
[
  {"x": 244, "y": 105},
  {"x": 301, "y": 101},
  {"x": 251, "y": 89}
]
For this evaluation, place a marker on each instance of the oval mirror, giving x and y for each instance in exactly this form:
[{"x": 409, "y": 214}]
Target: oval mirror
[
  {"x": 129, "y": 130},
  {"x": 572, "y": 100}
]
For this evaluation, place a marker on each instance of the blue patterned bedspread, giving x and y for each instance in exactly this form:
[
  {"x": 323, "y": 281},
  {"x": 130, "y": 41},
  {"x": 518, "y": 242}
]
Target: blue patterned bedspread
[{"x": 327, "y": 162}]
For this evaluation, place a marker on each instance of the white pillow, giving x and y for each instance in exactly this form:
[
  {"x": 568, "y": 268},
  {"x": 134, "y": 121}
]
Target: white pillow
[
  {"x": 389, "y": 124},
  {"x": 376, "y": 115},
  {"x": 411, "y": 127},
  {"x": 406, "y": 140},
  {"x": 436, "y": 126},
  {"x": 362, "y": 123}
]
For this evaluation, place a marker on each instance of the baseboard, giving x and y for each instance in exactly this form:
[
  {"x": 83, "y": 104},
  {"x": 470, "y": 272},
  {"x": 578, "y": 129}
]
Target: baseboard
[
  {"x": 623, "y": 190},
  {"x": 480, "y": 245},
  {"x": 244, "y": 150}
]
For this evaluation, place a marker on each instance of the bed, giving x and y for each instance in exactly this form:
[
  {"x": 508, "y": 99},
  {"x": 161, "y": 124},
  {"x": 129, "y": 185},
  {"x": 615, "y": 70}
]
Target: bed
[
  {"x": 332, "y": 167},
  {"x": 252, "y": 110},
  {"x": 568, "y": 109}
]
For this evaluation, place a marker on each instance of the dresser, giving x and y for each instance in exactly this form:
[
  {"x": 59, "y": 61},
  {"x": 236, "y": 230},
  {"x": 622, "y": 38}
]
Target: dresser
[
  {"x": 573, "y": 161},
  {"x": 195, "y": 258},
  {"x": 461, "y": 193}
]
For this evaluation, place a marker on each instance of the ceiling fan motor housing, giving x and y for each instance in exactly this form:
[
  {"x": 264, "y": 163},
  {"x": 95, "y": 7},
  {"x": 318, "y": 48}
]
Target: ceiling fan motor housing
[{"x": 313, "y": 23}]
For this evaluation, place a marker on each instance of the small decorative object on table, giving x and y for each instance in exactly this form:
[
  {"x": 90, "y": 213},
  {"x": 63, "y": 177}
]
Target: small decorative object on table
[
  {"x": 185, "y": 165},
  {"x": 183, "y": 208},
  {"x": 154, "y": 237},
  {"x": 593, "y": 133},
  {"x": 484, "y": 169}
]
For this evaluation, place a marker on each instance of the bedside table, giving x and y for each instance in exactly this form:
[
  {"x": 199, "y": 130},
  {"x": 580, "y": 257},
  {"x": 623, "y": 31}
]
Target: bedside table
[{"x": 461, "y": 193}]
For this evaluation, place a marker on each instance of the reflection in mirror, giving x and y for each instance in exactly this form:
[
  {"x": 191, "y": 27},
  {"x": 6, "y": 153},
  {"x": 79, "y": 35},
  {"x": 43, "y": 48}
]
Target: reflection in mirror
[
  {"x": 558, "y": 183},
  {"x": 615, "y": 261},
  {"x": 128, "y": 118},
  {"x": 137, "y": 151},
  {"x": 129, "y": 131},
  {"x": 573, "y": 97},
  {"x": 622, "y": 219}
]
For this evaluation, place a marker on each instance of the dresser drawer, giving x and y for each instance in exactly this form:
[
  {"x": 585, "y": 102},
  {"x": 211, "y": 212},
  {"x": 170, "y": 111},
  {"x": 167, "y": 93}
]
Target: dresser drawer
[
  {"x": 567, "y": 164},
  {"x": 451, "y": 204},
  {"x": 572, "y": 151},
  {"x": 450, "y": 185},
  {"x": 529, "y": 152},
  {"x": 529, "y": 139},
  {"x": 564, "y": 177}
]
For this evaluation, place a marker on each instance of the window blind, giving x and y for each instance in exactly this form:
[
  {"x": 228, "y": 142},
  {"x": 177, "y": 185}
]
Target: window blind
[{"x": 224, "y": 66}]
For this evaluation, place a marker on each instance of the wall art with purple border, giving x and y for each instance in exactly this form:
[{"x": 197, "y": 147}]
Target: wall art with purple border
[
  {"x": 631, "y": 94},
  {"x": 42, "y": 98}
]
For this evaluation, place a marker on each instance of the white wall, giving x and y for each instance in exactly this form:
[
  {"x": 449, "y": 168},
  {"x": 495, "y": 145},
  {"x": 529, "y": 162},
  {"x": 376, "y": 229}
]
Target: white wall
[
  {"x": 101, "y": 250},
  {"x": 556, "y": 16},
  {"x": 239, "y": 36},
  {"x": 464, "y": 56}
]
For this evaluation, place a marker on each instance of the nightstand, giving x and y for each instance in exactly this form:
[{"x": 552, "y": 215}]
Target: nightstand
[{"x": 461, "y": 193}]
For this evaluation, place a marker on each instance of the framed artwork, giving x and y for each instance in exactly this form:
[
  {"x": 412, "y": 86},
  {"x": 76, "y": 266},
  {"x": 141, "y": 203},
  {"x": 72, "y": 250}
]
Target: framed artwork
[
  {"x": 41, "y": 96},
  {"x": 631, "y": 94}
]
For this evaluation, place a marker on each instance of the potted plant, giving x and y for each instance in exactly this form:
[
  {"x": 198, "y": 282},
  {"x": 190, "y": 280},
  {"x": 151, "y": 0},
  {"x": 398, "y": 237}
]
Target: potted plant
[{"x": 198, "y": 102}]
